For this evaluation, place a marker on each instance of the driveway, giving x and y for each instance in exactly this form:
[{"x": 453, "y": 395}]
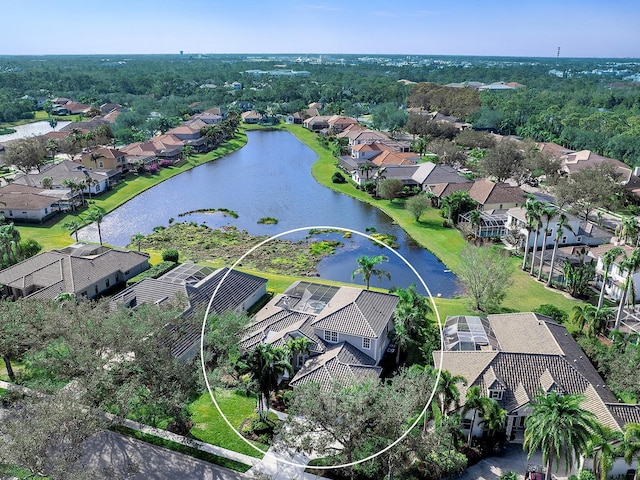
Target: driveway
[
  {"x": 512, "y": 459},
  {"x": 119, "y": 457}
]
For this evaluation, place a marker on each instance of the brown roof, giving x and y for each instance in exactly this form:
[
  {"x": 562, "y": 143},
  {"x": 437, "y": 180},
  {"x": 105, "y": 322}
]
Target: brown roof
[
  {"x": 24, "y": 197},
  {"x": 486, "y": 192},
  {"x": 535, "y": 355}
]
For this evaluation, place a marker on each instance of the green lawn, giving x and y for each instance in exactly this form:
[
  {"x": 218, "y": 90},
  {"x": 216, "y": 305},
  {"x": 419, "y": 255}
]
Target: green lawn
[
  {"x": 210, "y": 427},
  {"x": 524, "y": 294},
  {"x": 52, "y": 234}
]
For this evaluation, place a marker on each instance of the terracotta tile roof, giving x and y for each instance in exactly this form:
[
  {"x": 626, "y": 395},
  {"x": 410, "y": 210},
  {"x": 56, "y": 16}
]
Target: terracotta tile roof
[{"x": 391, "y": 158}]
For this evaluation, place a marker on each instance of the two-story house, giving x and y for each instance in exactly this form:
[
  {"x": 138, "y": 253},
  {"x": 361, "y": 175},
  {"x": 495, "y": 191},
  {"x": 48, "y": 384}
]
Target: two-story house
[
  {"x": 347, "y": 329},
  {"x": 105, "y": 159}
]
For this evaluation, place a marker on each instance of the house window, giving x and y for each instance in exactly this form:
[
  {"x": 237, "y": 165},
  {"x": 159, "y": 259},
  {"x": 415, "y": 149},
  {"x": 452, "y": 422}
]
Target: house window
[
  {"x": 107, "y": 283},
  {"x": 101, "y": 164},
  {"x": 366, "y": 343},
  {"x": 331, "y": 337},
  {"x": 578, "y": 239},
  {"x": 495, "y": 394}
]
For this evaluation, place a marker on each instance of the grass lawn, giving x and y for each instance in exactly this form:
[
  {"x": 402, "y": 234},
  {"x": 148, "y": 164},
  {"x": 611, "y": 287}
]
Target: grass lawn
[
  {"x": 52, "y": 234},
  {"x": 524, "y": 294},
  {"x": 210, "y": 427}
]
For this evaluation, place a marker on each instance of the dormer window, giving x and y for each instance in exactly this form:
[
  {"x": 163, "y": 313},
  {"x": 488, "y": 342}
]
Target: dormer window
[{"x": 496, "y": 393}]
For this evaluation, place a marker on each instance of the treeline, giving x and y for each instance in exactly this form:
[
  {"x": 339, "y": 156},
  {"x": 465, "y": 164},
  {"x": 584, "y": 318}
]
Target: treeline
[{"x": 581, "y": 115}]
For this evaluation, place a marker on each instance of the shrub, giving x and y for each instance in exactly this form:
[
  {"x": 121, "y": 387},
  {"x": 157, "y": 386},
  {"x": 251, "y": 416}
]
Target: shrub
[
  {"x": 164, "y": 163},
  {"x": 338, "y": 178},
  {"x": 153, "y": 168},
  {"x": 154, "y": 272},
  {"x": 554, "y": 312},
  {"x": 170, "y": 255}
]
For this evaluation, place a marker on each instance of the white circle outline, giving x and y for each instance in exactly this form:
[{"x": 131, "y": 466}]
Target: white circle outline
[{"x": 362, "y": 460}]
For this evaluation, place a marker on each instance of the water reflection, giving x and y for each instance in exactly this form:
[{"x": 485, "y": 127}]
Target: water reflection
[{"x": 271, "y": 177}]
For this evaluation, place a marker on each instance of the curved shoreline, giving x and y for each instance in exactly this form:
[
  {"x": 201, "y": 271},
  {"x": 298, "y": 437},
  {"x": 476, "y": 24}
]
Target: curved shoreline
[
  {"x": 52, "y": 234},
  {"x": 524, "y": 294}
]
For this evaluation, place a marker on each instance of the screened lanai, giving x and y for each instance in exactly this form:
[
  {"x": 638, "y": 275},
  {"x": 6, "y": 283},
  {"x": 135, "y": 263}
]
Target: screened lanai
[{"x": 469, "y": 333}]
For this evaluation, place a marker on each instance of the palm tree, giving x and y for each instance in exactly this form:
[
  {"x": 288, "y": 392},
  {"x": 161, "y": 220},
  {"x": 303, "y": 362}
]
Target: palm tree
[
  {"x": 531, "y": 208},
  {"x": 137, "y": 238},
  {"x": 297, "y": 346},
  {"x": 367, "y": 268},
  {"x": 559, "y": 427},
  {"x": 73, "y": 226},
  {"x": 630, "y": 265},
  {"x": 601, "y": 449},
  {"x": 561, "y": 225},
  {"x": 96, "y": 214},
  {"x": 75, "y": 187},
  {"x": 547, "y": 213},
  {"x": 607, "y": 260},
  {"x": 537, "y": 222},
  {"x": 47, "y": 183},
  {"x": 448, "y": 393},
  {"x": 474, "y": 402},
  {"x": 494, "y": 420},
  {"x": 266, "y": 363},
  {"x": 593, "y": 318},
  {"x": 9, "y": 239},
  {"x": 629, "y": 229},
  {"x": 187, "y": 152}
]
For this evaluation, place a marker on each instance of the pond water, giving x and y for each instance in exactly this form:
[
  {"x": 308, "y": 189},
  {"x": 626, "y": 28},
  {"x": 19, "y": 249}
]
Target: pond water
[
  {"x": 31, "y": 129},
  {"x": 271, "y": 177}
]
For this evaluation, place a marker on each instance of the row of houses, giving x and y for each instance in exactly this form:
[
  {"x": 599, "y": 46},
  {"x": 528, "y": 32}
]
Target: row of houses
[{"x": 37, "y": 196}]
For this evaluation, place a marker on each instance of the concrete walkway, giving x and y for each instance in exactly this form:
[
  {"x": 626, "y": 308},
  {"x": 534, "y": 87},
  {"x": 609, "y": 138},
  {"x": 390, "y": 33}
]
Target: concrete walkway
[{"x": 512, "y": 459}]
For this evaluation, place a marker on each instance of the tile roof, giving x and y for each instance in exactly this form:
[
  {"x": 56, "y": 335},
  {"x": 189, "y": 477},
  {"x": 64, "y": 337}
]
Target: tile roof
[
  {"x": 362, "y": 313},
  {"x": 16, "y": 197},
  {"x": 341, "y": 362},
  {"x": 536, "y": 355},
  {"x": 59, "y": 271},
  {"x": 486, "y": 192}
]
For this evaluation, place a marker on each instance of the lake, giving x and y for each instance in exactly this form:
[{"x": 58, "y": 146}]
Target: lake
[
  {"x": 271, "y": 177},
  {"x": 31, "y": 129}
]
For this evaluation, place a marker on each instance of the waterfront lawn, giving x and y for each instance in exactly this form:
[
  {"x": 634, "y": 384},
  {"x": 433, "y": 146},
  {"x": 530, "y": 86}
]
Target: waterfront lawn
[
  {"x": 52, "y": 234},
  {"x": 211, "y": 428},
  {"x": 524, "y": 294}
]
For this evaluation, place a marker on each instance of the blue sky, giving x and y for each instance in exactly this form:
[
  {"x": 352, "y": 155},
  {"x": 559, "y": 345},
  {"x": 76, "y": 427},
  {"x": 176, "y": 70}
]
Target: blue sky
[{"x": 582, "y": 28}]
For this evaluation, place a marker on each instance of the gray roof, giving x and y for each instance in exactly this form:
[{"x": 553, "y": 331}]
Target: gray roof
[
  {"x": 361, "y": 313},
  {"x": 69, "y": 270},
  {"x": 196, "y": 283},
  {"x": 341, "y": 362}
]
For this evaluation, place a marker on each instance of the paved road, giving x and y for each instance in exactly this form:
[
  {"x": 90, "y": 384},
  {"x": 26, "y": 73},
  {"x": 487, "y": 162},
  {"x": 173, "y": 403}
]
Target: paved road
[{"x": 118, "y": 456}]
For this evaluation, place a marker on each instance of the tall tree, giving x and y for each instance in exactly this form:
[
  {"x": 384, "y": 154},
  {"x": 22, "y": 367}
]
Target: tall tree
[
  {"x": 561, "y": 225},
  {"x": 457, "y": 203},
  {"x": 96, "y": 214},
  {"x": 266, "y": 364},
  {"x": 137, "y": 239},
  {"x": 559, "y": 427},
  {"x": 417, "y": 205},
  {"x": 503, "y": 161},
  {"x": 73, "y": 226},
  {"x": 531, "y": 210},
  {"x": 475, "y": 403},
  {"x": 538, "y": 208},
  {"x": 485, "y": 272},
  {"x": 9, "y": 240},
  {"x": 547, "y": 213},
  {"x": 26, "y": 153},
  {"x": 367, "y": 268},
  {"x": 390, "y": 188},
  {"x": 600, "y": 448},
  {"x": 629, "y": 266},
  {"x": 607, "y": 261}
]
